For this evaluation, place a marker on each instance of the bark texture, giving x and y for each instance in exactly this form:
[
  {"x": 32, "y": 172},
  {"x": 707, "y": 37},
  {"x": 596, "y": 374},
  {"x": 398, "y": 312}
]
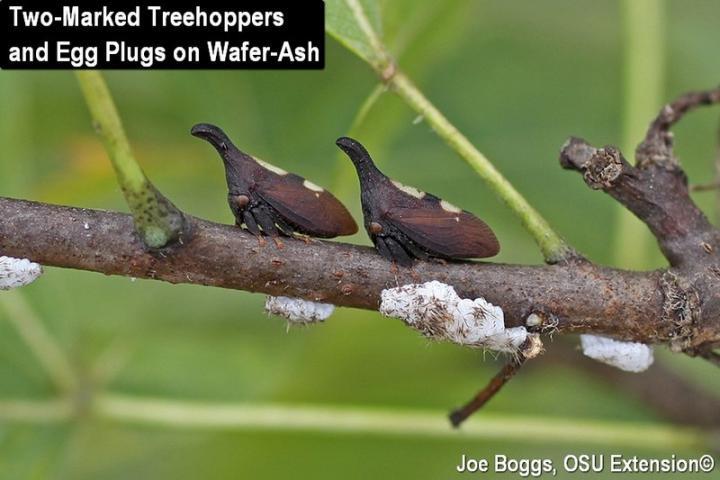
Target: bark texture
[{"x": 578, "y": 297}]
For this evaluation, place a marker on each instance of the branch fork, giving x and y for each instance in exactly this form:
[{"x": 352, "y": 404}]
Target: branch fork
[{"x": 656, "y": 191}]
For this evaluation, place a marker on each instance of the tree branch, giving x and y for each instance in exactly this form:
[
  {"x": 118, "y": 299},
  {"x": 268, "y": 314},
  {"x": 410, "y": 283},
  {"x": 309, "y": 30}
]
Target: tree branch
[
  {"x": 579, "y": 297},
  {"x": 679, "y": 306},
  {"x": 656, "y": 191},
  {"x": 657, "y": 196}
]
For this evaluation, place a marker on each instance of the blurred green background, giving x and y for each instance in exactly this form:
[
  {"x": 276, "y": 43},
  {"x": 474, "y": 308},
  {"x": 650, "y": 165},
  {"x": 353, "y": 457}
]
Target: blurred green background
[{"x": 516, "y": 77}]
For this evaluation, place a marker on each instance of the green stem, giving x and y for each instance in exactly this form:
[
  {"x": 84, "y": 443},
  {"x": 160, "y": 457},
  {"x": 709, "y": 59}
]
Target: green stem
[
  {"x": 553, "y": 247},
  {"x": 36, "y": 411},
  {"x": 367, "y": 106},
  {"x": 43, "y": 346},
  {"x": 643, "y": 22},
  {"x": 329, "y": 419},
  {"x": 157, "y": 220}
]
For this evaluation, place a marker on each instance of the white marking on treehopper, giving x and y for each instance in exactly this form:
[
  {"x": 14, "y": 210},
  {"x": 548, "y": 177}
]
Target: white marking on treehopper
[
  {"x": 315, "y": 188},
  {"x": 312, "y": 186},
  {"x": 449, "y": 207},
  {"x": 271, "y": 167},
  {"x": 412, "y": 191}
]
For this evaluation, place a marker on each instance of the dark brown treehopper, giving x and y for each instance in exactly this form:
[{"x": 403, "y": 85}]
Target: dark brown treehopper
[
  {"x": 405, "y": 223},
  {"x": 268, "y": 200}
]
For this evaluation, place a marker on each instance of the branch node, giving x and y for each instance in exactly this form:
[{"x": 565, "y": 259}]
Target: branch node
[
  {"x": 158, "y": 222},
  {"x": 388, "y": 73},
  {"x": 601, "y": 167},
  {"x": 681, "y": 308},
  {"x": 604, "y": 168}
]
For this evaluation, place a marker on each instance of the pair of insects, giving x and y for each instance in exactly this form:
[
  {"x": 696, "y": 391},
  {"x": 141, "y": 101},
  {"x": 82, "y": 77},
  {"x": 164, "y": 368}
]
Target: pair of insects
[{"x": 404, "y": 223}]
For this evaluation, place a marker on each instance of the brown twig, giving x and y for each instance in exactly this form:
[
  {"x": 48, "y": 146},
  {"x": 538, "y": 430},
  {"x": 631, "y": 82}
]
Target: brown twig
[
  {"x": 705, "y": 187},
  {"x": 531, "y": 348},
  {"x": 657, "y": 147},
  {"x": 656, "y": 195},
  {"x": 507, "y": 372},
  {"x": 583, "y": 297}
]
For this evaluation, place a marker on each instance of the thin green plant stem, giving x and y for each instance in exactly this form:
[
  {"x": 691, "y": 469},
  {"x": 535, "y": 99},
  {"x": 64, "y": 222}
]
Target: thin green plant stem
[
  {"x": 367, "y": 106},
  {"x": 643, "y": 79},
  {"x": 330, "y": 419},
  {"x": 552, "y": 246},
  {"x": 157, "y": 220},
  {"x": 41, "y": 343},
  {"x": 36, "y": 411}
]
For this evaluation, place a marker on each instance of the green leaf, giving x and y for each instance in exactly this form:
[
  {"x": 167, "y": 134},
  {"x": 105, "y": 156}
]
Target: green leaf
[{"x": 357, "y": 25}]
